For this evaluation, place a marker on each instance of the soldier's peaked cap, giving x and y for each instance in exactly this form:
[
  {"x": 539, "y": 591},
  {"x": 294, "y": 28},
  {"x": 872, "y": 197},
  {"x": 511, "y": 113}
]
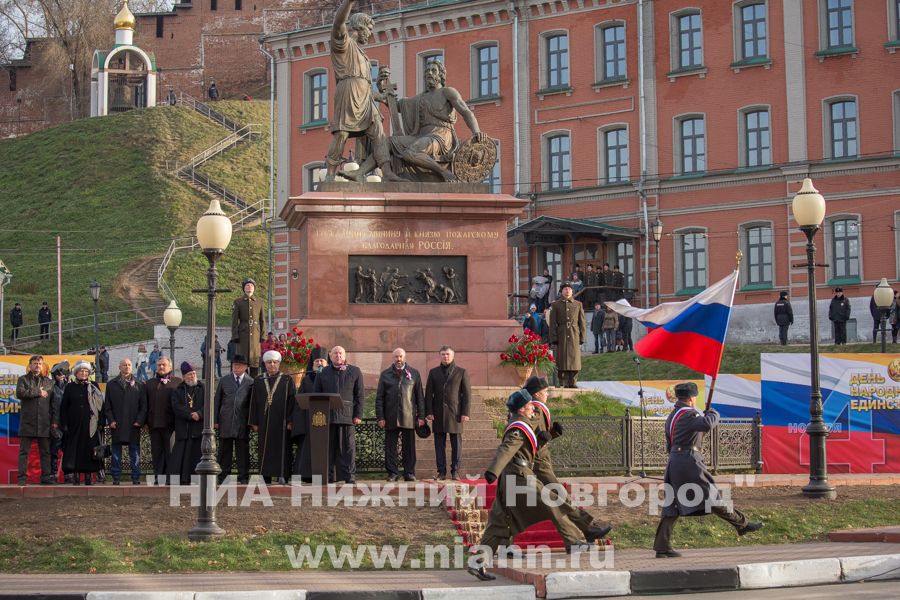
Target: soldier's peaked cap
[
  {"x": 687, "y": 389},
  {"x": 248, "y": 280}
]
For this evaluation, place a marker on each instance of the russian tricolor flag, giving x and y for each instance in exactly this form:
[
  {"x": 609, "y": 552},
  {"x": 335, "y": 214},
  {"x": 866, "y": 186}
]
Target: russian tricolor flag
[{"x": 692, "y": 332}]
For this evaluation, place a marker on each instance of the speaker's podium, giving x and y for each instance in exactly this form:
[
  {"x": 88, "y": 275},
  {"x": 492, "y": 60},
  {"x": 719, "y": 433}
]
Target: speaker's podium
[{"x": 319, "y": 406}]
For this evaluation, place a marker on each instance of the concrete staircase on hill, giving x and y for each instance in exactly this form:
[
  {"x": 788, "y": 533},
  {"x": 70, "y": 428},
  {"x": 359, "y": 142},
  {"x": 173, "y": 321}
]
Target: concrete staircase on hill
[{"x": 479, "y": 441}]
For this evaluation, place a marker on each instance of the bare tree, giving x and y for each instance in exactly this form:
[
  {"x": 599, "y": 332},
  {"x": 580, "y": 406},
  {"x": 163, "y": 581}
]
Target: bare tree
[
  {"x": 20, "y": 20},
  {"x": 147, "y": 6}
]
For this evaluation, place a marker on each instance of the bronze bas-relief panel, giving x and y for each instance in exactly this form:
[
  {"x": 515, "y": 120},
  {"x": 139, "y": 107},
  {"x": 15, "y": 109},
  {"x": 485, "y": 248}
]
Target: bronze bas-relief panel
[{"x": 407, "y": 279}]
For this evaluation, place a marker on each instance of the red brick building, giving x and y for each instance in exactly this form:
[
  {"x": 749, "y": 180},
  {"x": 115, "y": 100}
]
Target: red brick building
[{"x": 611, "y": 114}]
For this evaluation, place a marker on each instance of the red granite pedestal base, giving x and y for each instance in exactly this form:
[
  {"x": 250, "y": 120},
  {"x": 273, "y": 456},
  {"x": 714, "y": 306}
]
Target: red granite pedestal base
[{"x": 338, "y": 229}]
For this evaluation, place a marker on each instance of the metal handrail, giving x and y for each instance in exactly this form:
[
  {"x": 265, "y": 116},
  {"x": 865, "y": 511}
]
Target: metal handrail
[
  {"x": 106, "y": 320},
  {"x": 205, "y": 110},
  {"x": 226, "y": 143}
]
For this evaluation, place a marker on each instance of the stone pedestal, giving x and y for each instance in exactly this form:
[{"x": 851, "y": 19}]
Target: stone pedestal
[{"x": 385, "y": 224}]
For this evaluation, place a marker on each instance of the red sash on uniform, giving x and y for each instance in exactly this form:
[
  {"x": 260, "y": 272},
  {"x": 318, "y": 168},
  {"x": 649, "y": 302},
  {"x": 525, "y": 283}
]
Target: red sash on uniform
[
  {"x": 675, "y": 418},
  {"x": 526, "y": 429},
  {"x": 544, "y": 409}
]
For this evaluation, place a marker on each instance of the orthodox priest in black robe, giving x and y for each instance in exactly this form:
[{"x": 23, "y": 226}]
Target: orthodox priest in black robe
[
  {"x": 318, "y": 360},
  {"x": 187, "y": 406},
  {"x": 271, "y": 415}
]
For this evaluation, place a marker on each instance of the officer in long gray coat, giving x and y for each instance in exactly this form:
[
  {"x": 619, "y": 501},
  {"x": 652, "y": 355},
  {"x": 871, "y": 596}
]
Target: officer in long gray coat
[
  {"x": 686, "y": 472},
  {"x": 567, "y": 329}
]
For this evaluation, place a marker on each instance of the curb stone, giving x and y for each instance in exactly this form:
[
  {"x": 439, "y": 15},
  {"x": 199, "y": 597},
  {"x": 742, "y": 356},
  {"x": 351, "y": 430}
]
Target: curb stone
[
  {"x": 506, "y": 592},
  {"x": 857, "y": 568},
  {"x": 588, "y": 584},
  {"x": 685, "y": 580},
  {"x": 256, "y": 595},
  {"x": 790, "y": 573},
  {"x": 139, "y": 596}
]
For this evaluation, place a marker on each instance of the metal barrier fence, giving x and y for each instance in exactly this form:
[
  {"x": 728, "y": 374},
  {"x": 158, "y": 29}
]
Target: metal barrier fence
[
  {"x": 106, "y": 321},
  {"x": 590, "y": 445}
]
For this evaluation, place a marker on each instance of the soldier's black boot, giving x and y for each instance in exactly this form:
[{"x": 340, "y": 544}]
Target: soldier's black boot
[
  {"x": 476, "y": 568},
  {"x": 668, "y": 554},
  {"x": 592, "y": 534},
  {"x": 749, "y": 528}
]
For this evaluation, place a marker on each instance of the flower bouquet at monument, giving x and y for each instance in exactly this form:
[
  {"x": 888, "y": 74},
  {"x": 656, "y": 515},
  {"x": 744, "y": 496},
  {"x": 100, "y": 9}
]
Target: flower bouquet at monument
[
  {"x": 295, "y": 351},
  {"x": 527, "y": 353}
]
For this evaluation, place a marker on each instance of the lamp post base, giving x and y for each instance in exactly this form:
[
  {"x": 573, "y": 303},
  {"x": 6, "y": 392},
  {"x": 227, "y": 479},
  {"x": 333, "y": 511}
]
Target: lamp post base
[
  {"x": 204, "y": 532},
  {"x": 819, "y": 490}
]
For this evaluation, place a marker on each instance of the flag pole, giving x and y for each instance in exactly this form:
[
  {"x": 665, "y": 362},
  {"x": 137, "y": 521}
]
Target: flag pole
[{"x": 712, "y": 386}]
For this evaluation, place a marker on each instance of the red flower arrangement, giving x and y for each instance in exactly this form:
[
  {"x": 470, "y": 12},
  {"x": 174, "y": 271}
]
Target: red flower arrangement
[
  {"x": 295, "y": 350},
  {"x": 528, "y": 350}
]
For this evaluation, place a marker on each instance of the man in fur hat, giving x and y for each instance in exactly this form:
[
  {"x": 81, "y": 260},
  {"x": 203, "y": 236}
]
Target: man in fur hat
[
  {"x": 685, "y": 429},
  {"x": 272, "y": 415},
  {"x": 247, "y": 321},
  {"x": 232, "y": 406}
]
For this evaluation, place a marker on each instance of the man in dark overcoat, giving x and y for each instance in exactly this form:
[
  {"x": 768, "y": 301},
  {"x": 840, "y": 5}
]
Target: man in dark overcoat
[
  {"x": 33, "y": 389},
  {"x": 60, "y": 374},
  {"x": 685, "y": 430},
  {"x": 839, "y": 314},
  {"x": 247, "y": 320},
  {"x": 126, "y": 411},
  {"x": 567, "y": 329},
  {"x": 347, "y": 380},
  {"x": 232, "y": 406},
  {"x": 160, "y": 419},
  {"x": 784, "y": 317},
  {"x": 187, "y": 406},
  {"x": 44, "y": 318},
  {"x": 447, "y": 399},
  {"x": 400, "y": 408},
  {"x": 272, "y": 407}
]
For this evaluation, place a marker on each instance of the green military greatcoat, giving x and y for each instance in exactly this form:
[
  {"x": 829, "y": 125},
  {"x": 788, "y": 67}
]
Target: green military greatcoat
[{"x": 247, "y": 321}]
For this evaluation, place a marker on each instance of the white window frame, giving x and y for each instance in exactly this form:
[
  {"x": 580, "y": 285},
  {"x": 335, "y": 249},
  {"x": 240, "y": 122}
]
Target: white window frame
[
  {"x": 545, "y": 145},
  {"x": 893, "y": 20},
  {"x": 308, "y": 94},
  {"x": 743, "y": 231},
  {"x": 475, "y": 62},
  {"x": 830, "y": 220},
  {"x": 828, "y": 150},
  {"x": 544, "y": 62},
  {"x": 738, "y": 26},
  {"x": 824, "y": 41},
  {"x": 895, "y": 108},
  {"x": 743, "y": 154},
  {"x": 600, "y": 52},
  {"x": 602, "y": 153},
  {"x": 308, "y": 168},
  {"x": 677, "y": 154},
  {"x": 675, "y": 39},
  {"x": 679, "y": 258}
]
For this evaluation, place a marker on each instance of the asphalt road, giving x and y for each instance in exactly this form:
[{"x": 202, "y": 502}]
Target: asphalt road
[{"x": 876, "y": 590}]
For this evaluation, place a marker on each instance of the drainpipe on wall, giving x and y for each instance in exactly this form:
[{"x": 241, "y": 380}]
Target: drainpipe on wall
[
  {"x": 268, "y": 223},
  {"x": 643, "y": 144},
  {"x": 516, "y": 133}
]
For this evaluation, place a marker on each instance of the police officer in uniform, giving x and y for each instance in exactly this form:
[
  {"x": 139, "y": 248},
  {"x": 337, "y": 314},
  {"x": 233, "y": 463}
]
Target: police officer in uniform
[
  {"x": 784, "y": 317},
  {"x": 246, "y": 325},
  {"x": 839, "y": 314},
  {"x": 685, "y": 429},
  {"x": 514, "y": 462}
]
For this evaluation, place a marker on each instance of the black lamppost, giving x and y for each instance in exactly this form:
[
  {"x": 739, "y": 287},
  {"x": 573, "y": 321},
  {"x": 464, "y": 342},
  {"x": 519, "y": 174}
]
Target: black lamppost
[
  {"x": 809, "y": 212},
  {"x": 884, "y": 295},
  {"x": 95, "y": 296},
  {"x": 5, "y": 278},
  {"x": 213, "y": 233},
  {"x": 172, "y": 319},
  {"x": 657, "y": 235}
]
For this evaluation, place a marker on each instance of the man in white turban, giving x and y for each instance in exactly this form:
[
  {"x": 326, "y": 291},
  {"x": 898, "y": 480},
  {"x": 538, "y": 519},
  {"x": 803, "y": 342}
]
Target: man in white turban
[{"x": 271, "y": 415}]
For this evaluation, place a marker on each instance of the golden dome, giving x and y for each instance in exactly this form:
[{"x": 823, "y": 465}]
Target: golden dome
[{"x": 125, "y": 20}]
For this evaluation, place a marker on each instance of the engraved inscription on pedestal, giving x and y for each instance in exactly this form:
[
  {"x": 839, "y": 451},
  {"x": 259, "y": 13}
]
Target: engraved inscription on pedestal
[{"x": 407, "y": 279}]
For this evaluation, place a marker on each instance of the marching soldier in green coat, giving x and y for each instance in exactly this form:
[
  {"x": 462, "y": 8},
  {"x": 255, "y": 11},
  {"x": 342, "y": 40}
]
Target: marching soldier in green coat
[
  {"x": 247, "y": 321},
  {"x": 514, "y": 462}
]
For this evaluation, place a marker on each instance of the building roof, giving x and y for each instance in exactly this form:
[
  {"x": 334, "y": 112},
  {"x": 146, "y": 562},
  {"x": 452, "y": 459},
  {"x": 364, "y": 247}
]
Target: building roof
[{"x": 549, "y": 229}]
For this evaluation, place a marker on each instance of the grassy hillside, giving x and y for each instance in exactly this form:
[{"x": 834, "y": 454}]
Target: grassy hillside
[{"x": 99, "y": 184}]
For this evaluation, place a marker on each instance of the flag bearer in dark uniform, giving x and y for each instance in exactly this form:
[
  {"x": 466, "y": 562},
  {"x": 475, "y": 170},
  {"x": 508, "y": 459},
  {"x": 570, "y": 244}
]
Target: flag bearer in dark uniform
[
  {"x": 514, "y": 462},
  {"x": 685, "y": 429},
  {"x": 543, "y": 462},
  {"x": 247, "y": 325}
]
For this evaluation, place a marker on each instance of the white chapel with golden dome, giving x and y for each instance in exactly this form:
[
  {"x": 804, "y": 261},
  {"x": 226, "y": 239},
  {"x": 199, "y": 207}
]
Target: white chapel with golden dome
[{"x": 123, "y": 78}]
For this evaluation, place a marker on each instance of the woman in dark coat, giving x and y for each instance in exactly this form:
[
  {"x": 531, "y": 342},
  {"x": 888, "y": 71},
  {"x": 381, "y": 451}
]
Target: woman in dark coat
[
  {"x": 187, "y": 405},
  {"x": 79, "y": 419}
]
